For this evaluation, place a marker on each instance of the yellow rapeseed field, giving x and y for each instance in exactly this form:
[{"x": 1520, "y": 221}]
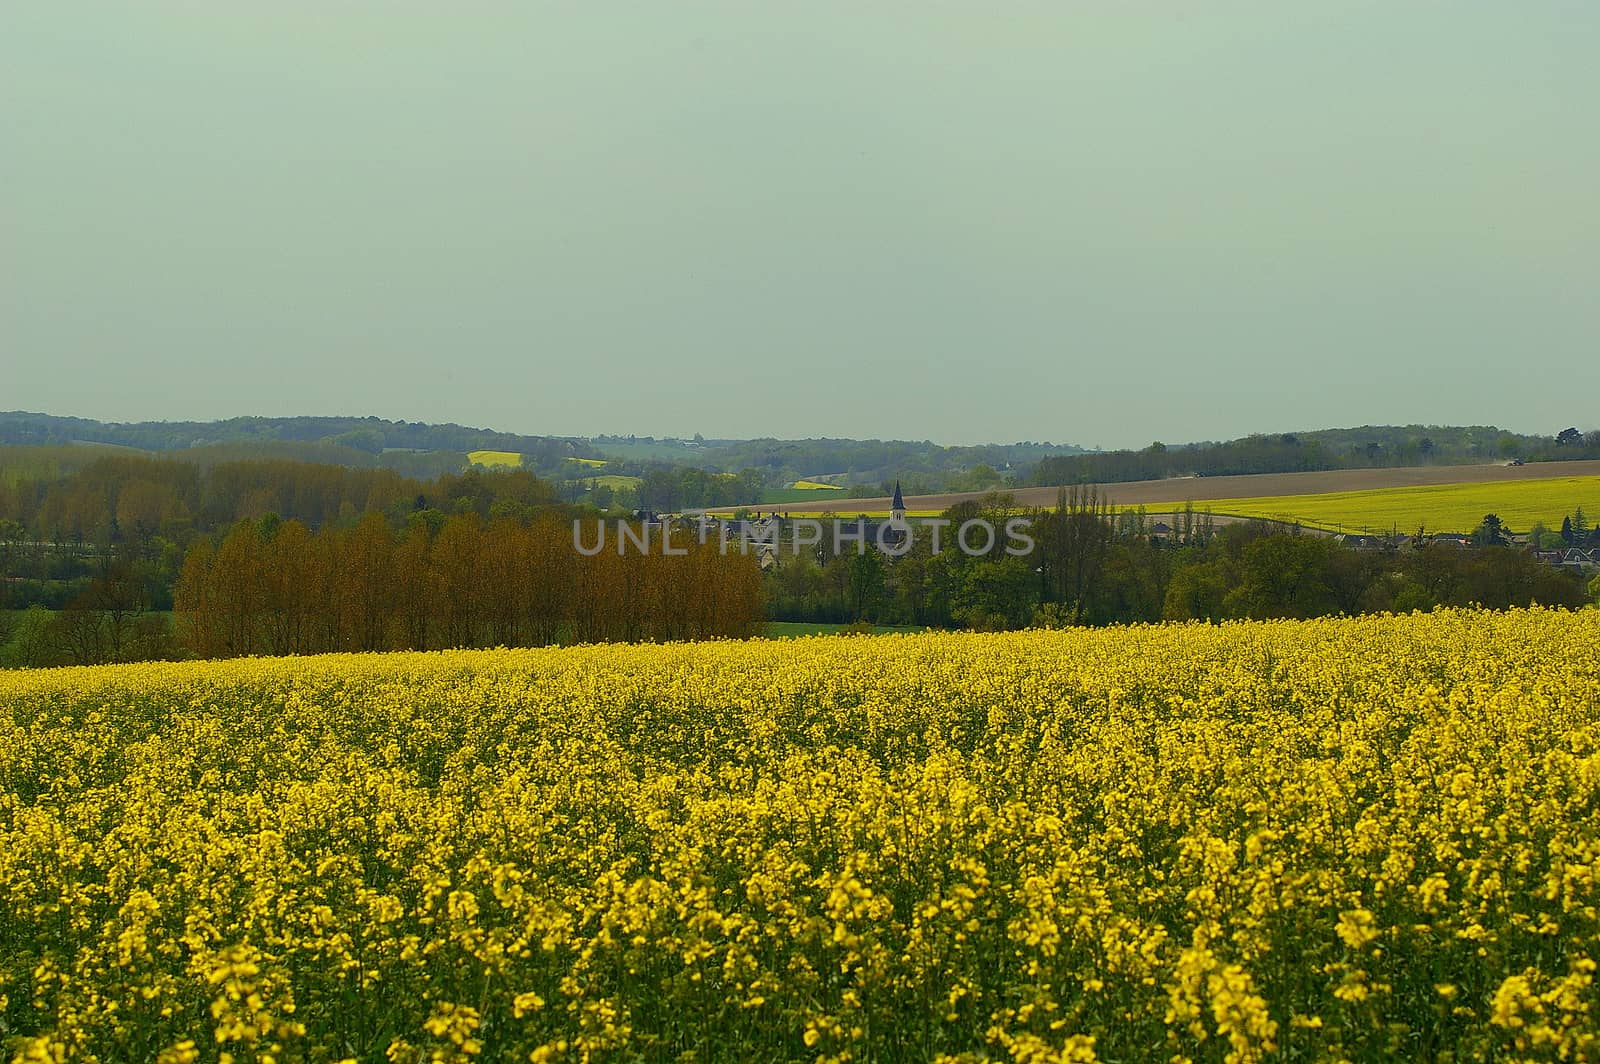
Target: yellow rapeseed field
[
  {"x": 1436, "y": 507},
  {"x": 491, "y": 459},
  {"x": 1365, "y": 839}
]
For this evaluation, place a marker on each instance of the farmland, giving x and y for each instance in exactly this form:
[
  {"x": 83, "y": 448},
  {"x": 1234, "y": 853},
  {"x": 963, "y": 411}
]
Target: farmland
[
  {"x": 492, "y": 459},
  {"x": 1444, "y": 507},
  {"x": 1442, "y": 498},
  {"x": 1363, "y": 839},
  {"x": 1210, "y": 490},
  {"x": 1438, "y": 507}
]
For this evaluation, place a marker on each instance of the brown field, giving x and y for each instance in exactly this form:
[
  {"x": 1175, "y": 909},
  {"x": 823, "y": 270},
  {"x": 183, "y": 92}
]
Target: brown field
[{"x": 1179, "y": 490}]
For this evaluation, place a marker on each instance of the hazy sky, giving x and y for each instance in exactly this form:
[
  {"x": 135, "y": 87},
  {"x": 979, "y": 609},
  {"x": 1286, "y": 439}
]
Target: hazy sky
[{"x": 1103, "y": 223}]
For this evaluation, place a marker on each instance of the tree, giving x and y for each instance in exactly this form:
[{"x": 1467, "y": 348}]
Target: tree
[
  {"x": 365, "y": 583},
  {"x": 415, "y": 586},
  {"x": 996, "y": 595},
  {"x": 1197, "y": 593},
  {"x": 1568, "y": 437},
  {"x": 1073, "y": 543},
  {"x": 294, "y": 589},
  {"x": 1566, "y": 530},
  {"x": 1490, "y": 532},
  {"x": 1284, "y": 576},
  {"x": 33, "y": 643},
  {"x": 12, "y": 536},
  {"x": 236, "y": 586},
  {"x": 866, "y": 584}
]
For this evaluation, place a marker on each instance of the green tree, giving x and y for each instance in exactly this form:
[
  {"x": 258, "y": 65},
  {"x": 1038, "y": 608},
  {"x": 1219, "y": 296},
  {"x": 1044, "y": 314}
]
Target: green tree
[
  {"x": 1197, "y": 593},
  {"x": 866, "y": 585},
  {"x": 1490, "y": 532},
  {"x": 12, "y": 536},
  {"x": 33, "y": 643},
  {"x": 1284, "y": 576},
  {"x": 1073, "y": 542},
  {"x": 996, "y": 595}
]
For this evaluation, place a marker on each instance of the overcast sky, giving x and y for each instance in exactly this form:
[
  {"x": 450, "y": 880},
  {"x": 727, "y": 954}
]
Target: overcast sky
[{"x": 1102, "y": 223}]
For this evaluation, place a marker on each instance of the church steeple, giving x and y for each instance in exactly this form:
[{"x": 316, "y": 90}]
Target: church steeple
[{"x": 897, "y": 508}]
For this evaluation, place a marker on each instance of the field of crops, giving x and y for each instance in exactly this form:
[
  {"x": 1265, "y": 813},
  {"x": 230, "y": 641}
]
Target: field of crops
[
  {"x": 1368, "y": 839},
  {"x": 491, "y": 459},
  {"x": 1439, "y": 507}
]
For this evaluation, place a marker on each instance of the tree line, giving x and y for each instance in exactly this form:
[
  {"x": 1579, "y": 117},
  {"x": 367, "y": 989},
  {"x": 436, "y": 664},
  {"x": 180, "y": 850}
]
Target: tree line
[
  {"x": 279, "y": 588},
  {"x": 370, "y": 435},
  {"x": 1373, "y": 447},
  {"x": 276, "y": 587},
  {"x": 1095, "y": 567}
]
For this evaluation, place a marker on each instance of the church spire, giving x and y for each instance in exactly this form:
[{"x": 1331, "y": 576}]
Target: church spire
[{"x": 897, "y": 508}]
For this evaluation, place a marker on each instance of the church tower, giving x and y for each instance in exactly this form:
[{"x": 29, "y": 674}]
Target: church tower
[{"x": 897, "y": 508}]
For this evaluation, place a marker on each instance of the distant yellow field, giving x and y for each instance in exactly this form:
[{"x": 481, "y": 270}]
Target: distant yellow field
[
  {"x": 815, "y": 485},
  {"x": 587, "y": 461},
  {"x": 613, "y": 480},
  {"x": 1439, "y": 507},
  {"x": 509, "y": 459}
]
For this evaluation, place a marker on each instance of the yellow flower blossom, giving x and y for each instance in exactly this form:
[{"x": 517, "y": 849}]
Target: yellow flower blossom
[{"x": 1332, "y": 839}]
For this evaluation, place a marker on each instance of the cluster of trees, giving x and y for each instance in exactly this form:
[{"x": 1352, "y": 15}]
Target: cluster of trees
[
  {"x": 1310, "y": 576},
  {"x": 276, "y": 587},
  {"x": 116, "y": 617},
  {"x": 68, "y": 528},
  {"x": 1092, "y": 567},
  {"x": 293, "y": 557},
  {"x": 139, "y": 501},
  {"x": 1371, "y": 447}
]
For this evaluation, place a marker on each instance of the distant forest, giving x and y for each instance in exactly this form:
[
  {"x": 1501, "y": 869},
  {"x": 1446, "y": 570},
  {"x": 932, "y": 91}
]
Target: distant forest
[
  {"x": 634, "y": 472},
  {"x": 370, "y": 435}
]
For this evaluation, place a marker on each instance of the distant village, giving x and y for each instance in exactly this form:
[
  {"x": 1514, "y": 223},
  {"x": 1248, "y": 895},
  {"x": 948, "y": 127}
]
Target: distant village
[{"x": 767, "y": 534}]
